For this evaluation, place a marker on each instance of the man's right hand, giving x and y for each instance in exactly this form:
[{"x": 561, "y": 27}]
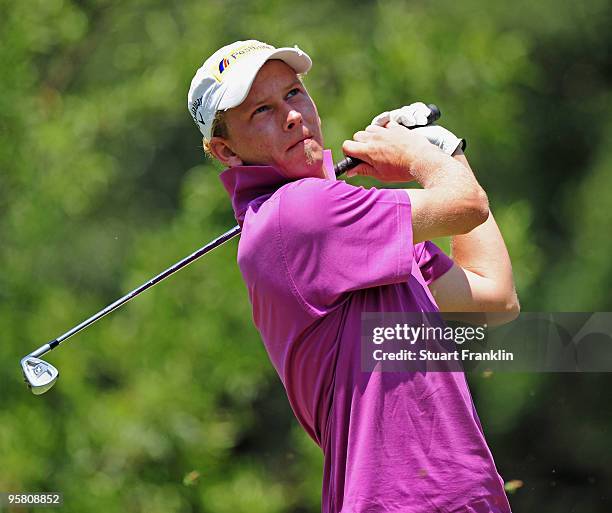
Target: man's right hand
[
  {"x": 388, "y": 154},
  {"x": 451, "y": 201}
]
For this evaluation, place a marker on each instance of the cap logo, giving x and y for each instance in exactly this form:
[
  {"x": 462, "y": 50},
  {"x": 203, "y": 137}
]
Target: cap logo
[
  {"x": 235, "y": 55},
  {"x": 223, "y": 64},
  {"x": 195, "y": 111}
]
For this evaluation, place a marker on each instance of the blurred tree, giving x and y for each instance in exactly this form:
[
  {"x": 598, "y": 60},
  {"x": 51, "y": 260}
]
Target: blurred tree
[{"x": 171, "y": 403}]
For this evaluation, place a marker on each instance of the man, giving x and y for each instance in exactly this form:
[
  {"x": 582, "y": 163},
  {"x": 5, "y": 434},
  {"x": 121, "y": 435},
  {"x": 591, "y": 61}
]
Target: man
[{"x": 315, "y": 253}]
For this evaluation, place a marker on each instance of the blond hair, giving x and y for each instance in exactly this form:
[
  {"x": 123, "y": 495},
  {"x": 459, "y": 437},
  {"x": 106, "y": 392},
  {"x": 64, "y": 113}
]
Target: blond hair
[{"x": 219, "y": 129}]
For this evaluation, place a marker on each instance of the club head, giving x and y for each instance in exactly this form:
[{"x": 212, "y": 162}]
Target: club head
[{"x": 39, "y": 375}]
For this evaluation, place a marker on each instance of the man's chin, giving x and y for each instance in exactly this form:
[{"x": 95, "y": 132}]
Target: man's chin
[
  {"x": 307, "y": 163},
  {"x": 311, "y": 165}
]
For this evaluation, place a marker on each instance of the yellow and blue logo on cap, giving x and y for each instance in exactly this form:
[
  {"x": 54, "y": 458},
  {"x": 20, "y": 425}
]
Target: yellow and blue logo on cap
[{"x": 235, "y": 54}]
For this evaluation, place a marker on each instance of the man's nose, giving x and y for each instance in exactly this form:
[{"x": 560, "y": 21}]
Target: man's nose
[{"x": 293, "y": 118}]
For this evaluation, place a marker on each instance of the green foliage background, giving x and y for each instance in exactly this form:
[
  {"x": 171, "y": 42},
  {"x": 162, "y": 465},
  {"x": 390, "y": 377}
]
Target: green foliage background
[{"x": 170, "y": 404}]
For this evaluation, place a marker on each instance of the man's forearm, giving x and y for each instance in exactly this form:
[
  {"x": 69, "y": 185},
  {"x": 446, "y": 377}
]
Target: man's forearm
[
  {"x": 451, "y": 200},
  {"x": 483, "y": 252}
]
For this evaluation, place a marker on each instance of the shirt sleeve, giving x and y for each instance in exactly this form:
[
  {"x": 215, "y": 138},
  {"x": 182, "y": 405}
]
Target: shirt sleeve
[
  {"x": 337, "y": 238},
  {"x": 432, "y": 261}
]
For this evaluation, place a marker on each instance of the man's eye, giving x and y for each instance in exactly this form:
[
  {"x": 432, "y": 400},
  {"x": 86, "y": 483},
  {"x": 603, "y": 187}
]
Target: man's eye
[
  {"x": 293, "y": 92},
  {"x": 263, "y": 108}
]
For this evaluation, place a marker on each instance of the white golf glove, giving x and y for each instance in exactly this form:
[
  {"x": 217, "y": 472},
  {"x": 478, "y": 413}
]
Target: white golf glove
[
  {"x": 415, "y": 116},
  {"x": 410, "y": 116},
  {"x": 441, "y": 137}
]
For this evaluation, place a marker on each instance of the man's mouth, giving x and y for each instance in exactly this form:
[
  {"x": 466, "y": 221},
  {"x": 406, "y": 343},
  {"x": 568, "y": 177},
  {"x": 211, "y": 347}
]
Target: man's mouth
[{"x": 300, "y": 141}]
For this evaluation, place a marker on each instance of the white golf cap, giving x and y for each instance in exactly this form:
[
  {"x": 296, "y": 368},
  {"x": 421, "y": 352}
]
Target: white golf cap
[{"x": 225, "y": 78}]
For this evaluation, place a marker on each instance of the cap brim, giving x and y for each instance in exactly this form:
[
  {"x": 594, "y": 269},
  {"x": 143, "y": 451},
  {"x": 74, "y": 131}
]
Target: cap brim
[{"x": 246, "y": 70}]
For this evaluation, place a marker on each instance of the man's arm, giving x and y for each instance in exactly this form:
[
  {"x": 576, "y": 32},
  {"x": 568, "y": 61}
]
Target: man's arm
[
  {"x": 451, "y": 201},
  {"x": 481, "y": 279}
]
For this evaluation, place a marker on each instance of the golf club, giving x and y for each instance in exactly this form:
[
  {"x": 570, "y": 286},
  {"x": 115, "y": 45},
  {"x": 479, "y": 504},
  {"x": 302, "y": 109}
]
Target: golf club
[{"x": 40, "y": 376}]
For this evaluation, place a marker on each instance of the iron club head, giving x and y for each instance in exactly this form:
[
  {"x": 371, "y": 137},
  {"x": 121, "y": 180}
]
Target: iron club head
[{"x": 39, "y": 375}]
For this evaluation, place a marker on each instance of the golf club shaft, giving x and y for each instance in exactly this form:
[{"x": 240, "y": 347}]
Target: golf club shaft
[
  {"x": 342, "y": 167},
  {"x": 230, "y": 234}
]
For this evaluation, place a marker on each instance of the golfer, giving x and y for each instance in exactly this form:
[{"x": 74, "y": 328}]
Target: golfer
[{"x": 316, "y": 252}]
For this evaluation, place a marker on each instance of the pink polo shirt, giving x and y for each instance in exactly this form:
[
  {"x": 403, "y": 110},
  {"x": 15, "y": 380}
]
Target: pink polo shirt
[{"x": 315, "y": 254}]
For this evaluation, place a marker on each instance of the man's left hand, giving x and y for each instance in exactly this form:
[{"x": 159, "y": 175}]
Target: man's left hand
[
  {"x": 409, "y": 116},
  {"x": 414, "y": 116}
]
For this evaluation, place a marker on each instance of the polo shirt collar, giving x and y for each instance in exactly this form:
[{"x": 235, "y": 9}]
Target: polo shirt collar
[{"x": 248, "y": 184}]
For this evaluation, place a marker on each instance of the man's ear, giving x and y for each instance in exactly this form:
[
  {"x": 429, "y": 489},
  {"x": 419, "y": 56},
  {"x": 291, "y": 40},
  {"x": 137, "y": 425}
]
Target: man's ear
[{"x": 221, "y": 150}]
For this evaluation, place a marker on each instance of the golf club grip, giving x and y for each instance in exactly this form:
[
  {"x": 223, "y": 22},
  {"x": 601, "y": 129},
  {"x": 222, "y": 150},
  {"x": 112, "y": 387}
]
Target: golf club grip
[{"x": 349, "y": 163}]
